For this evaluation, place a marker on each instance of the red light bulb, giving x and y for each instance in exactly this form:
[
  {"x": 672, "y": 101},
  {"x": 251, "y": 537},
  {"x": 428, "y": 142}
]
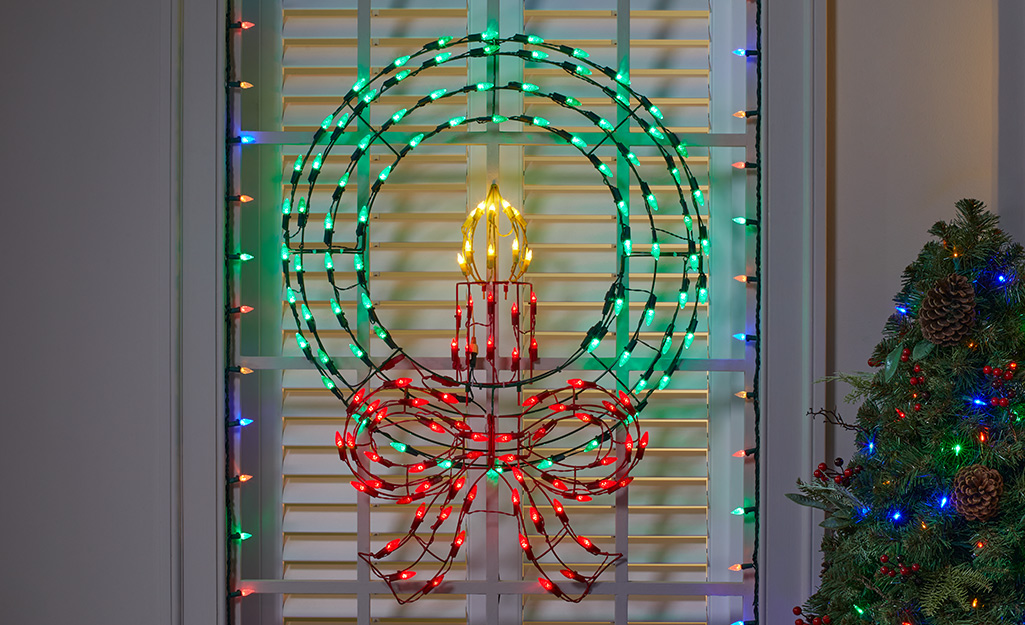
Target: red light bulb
[
  {"x": 393, "y": 545},
  {"x": 245, "y": 309},
  {"x": 246, "y": 25},
  {"x": 407, "y": 574}
]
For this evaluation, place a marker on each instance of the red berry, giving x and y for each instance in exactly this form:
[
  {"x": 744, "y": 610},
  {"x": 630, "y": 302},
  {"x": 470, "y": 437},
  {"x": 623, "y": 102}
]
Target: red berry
[
  {"x": 1008, "y": 375},
  {"x": 816, "y": 621},
  {"x": 817, "y": 473},
  {"x": 904, "y": 358},
  {"x": 884, "y": 558},
  {"x": 884, "y": 570},
  {"x": 797, "y": 610},
  {"x": 826, "y": 619},
  {"x": 800, "y": 621},
  {"x": 997, "y": 371},
  {"x": 987, "y": 370},
  {"x": 906, "y": 350},
  {"x": 921, "y": 379},
  {"x": 918, "y": 407},
  {"x": 904, "y": 570},
  {"x": 915, "y": 567},
  {"x": 1004, "y": 402},
  {"x": 848, "y": 472},
  {"x": 892, "y": 573},
  {"x": 913, "y": 380},
  {"x": 823, "y": 466},
  {"x": 918, "y": 368},
  {"x": 838, "y": 479},
  {"x": 993, "y": 401}
]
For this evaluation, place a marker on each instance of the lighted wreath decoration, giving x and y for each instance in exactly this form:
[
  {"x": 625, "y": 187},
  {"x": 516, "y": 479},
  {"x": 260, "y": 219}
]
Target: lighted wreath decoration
[{"x": 385, "y": 413}]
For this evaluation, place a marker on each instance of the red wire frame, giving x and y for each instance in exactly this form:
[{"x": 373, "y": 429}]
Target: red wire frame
[{"x": 398, "y": 411}]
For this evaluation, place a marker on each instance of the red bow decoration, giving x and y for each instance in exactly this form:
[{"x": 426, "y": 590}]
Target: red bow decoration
[{"x": 600, "y": 443}]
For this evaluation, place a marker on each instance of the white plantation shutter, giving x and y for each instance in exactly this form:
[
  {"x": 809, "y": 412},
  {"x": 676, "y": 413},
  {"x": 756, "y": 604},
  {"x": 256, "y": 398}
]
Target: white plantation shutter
[{"x": 674, "y": 522}]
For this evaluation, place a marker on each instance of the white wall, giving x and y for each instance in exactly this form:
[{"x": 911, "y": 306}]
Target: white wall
[
  {"x": 913, "y": 104},
  {"x": 86, "y": 387}
]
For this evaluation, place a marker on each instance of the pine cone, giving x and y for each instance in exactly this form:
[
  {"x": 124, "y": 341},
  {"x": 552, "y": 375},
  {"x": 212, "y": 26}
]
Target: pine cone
[
  {"x": 948, "y": 310},
  {"x": 977, "y": 492}
]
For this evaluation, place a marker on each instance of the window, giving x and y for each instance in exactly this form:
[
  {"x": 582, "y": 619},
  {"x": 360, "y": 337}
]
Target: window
[{"x": 674, "y": 522}]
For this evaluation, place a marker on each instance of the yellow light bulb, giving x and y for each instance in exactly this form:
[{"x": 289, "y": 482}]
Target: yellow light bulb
[
  {"x": 515, "y": 245},
  {"x": 460, "y": 259},
  {"x": 491, "y": 208},
  {"x": 506, "y": 204},
  {"x": 468, "y": 246},
  {"x": 740, "y": 278},
  {"x": 741, "y": 394},
  {"x": 491, "y": 250},
  {"x": 529, "y": 255}
]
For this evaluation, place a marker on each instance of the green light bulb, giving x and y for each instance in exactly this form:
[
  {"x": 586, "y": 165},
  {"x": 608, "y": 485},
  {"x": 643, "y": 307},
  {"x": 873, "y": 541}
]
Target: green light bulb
[
  {"x": 344, "y": 180},
  {"x": 335, "y": 307},
  {"x": 301, "y": 340},
  {"x": 593, "y": 345},
  {"x": 359, "y": 84},
  {"x": 534, "y": 39},
  {"x": 580, "y": 54},
  {"x": 687, "y": 221},
  {"x": 298, "y": 263},
  {"x": 617, "y": 306},
  {"x": 364, "y": 214},
  {"x": 365, "y": 141},
  {"x": 628, "y": 247},
  {"x": 444, "y": 56},
  {"x": 357, "y": 262},
  {"x": 544, "y": 464},
  {"x": 442, "y": 42},
  {"x": 489, "y": 50},
  {"x": 693, "y": 260},
  {"x": 688, "y": 339},
  {"x": 663, "y": 383},
  {"x": 445, "y": 464},
  {"x": 652, "y": 202},
  {"x": 318, "y": 161},
  {"x": 957, "y": 450},
  {"x": 698, "y": 197},
  {"x": 859, "y": 610},
  {"x": 592, "y": 444},
  {"x": 740, "y": 221},
  {"x": 540, "y": 121},
  {"x": 656, "y": 249},
  {"x": 583, "y": 71},
  {"x": 489, "y": 35},
  {"x": 529, "y": 87},
  {"x": 682, "y": 150},
  {"x": 604, "y": 169},
  {"x": 655, "y": 132},
  {"x": 343, "y": 120},
  {"x": 323, "y": 357},
  {"x": 485, "y": 86},
  {"x": 641, "y": 385},
  {"x": 415, "y": 141},
  {"x": 402, "y": 75},
  {"x": 397, "y": 116},
  {"x": 705, "y": 245},
  {"x": 399, "y": 62},
  {"x": 577, "y": 141},
  {"x": 649, "y": 316},
  {"x": 381, "y": 333},
  {"x": 702, "y": 296},
  {"x": 367, "y": 303},
  {"x": 437, "y": 93},
  {"x": 538, "y": 55},
  {"x": 399, "y": 447},
  {"x": 667, "y": 343},
  {"x": 624, "y": 357},
  {"x": 675, "y": 171},
  {"x": 329, "y": 223},
  {"x": 604, "y": 124},
  {"x": 245, "y": 257},
  {"x": 285, "y": 253},
  {"x": 498, "y": 119},
  {"x": 286, "y": 207},
  {"x": 328, "y": 383},
  {"x": 290, "y": 295},
  {"x": 655, "y": 112},
  {"x": 623, "y": 99},
  {"x": 326, "y": 123},
  {"x": 302, "y": 206},
  {"x": 384, "y": 173},
  {"x": 621, "y": 205},
  {"x": 244, "y": 535},
  {"x": 630, "y": 156},
  {"x": 683, "y": 298},
  {"x": 738, "y": 511},
  {"x": 357, "y": 352},
  {"x": 298, "y": 164},
  {"x": 455, "y": 121},
  {"x": 571, "y": 101},
  {"x": 622, "y": 78},
  {"x": 307, "y": 315}
]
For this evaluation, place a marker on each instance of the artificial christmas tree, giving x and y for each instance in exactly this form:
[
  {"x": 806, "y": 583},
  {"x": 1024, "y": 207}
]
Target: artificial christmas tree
[{"x": 926, "y": 525}]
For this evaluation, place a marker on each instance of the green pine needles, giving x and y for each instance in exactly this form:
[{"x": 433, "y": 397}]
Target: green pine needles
[{"x": 909, "y": 541}]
